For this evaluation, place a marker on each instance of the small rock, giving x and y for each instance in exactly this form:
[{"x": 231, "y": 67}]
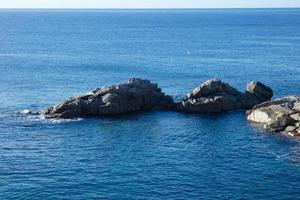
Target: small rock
[
  {"x": 279, "y": 123},
  {"x": 216, "y": 96},
  {"x": 277, "y": 115},
  {"x": 297, "y": 106},
  {"x": 29, "y": 112},
  {"x": 297, "y": 133},
  {"x": 296, "y": 116},
  {"x": 260, "y": 90},
  {"x": 290, "y": 129}
]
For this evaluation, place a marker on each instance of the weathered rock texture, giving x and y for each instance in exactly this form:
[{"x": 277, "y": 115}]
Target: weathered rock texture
[
  {"x": 136, "y": 95},
  {"x": 214, "y": 96},
  {"x": 278, "y": 115},
  {"x": 141, "y": 95}
]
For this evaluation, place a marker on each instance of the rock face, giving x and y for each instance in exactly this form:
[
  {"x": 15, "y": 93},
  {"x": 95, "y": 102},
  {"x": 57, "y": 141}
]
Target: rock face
[
  {"x": 136, "y": 95},
  {"x": 261, "y": 91},
  {"x": 278, "y": 115},
  {"x": 214, "y": 96}
]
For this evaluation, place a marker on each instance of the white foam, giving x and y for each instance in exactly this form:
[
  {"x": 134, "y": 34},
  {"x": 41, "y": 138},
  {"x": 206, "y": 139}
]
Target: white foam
[
  {"x": 38, "y": 117},
  {"x": 59, "y": 121},
  {"x": 290, "y": 134},
  {"x": 25, "y": 111}
]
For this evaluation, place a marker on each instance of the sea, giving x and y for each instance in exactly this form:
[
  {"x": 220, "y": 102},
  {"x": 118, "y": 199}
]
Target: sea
[{"x": 47, "y": 56}]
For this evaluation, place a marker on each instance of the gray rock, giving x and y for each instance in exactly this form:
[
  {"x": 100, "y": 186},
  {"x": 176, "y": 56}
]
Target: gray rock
[
  {"x": 278, "y": 115},
  {"x": 297, "y": 132},
  {"x": 290, "y": 129},
  {"x": 30, "y": 112},
  {"x": 216, "y": 96},
  {"x": 212, "y": 87},
  {"x": 296, "y": 106},
  {"x": 260, "y": 90},
  {"x": 142, "y": 95},
  {"x": 295, "y": 116},
  {"x": 279, "y": 122},
  {"x": 134, "y": 96}
]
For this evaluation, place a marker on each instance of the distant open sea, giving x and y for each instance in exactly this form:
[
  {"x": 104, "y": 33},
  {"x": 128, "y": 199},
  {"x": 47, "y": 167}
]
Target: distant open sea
[{"x": 47, "y": 56}]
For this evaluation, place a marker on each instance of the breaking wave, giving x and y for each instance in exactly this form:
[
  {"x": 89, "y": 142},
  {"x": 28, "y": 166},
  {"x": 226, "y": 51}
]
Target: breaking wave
[{"x": 38, "y": 116}]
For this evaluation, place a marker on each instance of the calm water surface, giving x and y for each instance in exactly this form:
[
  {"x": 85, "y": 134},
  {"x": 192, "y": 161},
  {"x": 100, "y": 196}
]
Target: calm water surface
[{"x": 47, "y": 56}]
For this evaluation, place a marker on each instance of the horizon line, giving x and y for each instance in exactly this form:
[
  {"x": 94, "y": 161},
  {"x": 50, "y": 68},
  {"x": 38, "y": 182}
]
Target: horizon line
[{"x": 154, "y": 8}]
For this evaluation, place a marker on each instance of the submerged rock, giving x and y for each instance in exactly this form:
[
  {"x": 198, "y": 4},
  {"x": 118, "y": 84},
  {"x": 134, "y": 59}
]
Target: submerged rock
[
  {"x": 29, "y": 112},
  {"x": 215, "y": 96},
  {"x": 134, "y": 96},
  {"x": 278, "y": 115}
]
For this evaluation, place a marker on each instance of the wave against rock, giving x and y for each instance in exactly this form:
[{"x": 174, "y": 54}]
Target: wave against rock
[
  {"x": 278, "y": 115},
  {"x": 136, "y": 95},
  {"x": 215, "y": 96}
]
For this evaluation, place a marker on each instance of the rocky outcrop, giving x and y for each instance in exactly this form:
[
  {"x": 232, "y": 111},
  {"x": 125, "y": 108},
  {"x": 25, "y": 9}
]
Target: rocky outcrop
[
  {"x": 278, "y": 115},
  {"x": 141, "y": 95},
  {"x": 134, "y": 96},
  {"x": 215, "y": 96}
]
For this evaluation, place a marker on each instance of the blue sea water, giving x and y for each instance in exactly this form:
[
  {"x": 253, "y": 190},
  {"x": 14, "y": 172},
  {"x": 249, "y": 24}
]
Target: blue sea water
[{"x": 47, "y": 56}]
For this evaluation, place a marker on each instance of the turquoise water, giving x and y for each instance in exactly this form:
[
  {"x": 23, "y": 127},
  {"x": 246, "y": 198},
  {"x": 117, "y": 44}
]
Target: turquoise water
[{"x": 47, "y": 56}]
